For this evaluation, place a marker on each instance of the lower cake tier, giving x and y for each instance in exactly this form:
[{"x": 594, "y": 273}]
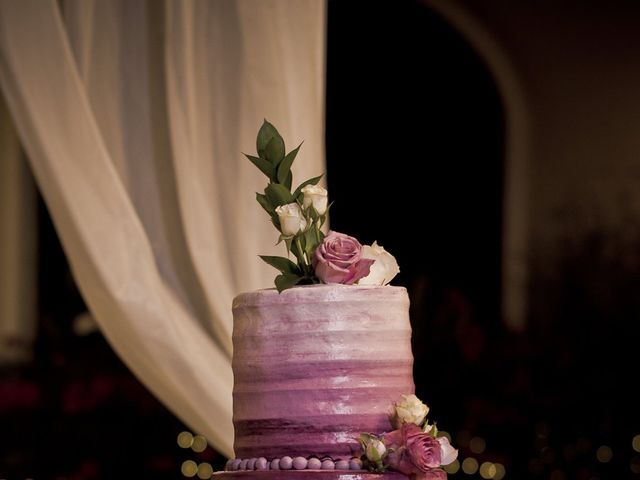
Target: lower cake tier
[
  {"x": 435, "y": 474},
  {"x": 316, "y": 366},
  {"x": 309, "y": 475}
]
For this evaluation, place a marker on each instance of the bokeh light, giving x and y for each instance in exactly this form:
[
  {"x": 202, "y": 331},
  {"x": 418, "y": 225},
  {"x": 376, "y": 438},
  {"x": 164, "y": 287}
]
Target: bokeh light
[
  {"x": 500, "y": 471},
  {"x": 453, "y": 467},
  {"x": 185, "y": 439},
  {"x": 477, "y": 445},
  {"x": 463, "y": 438},
  {"x": 487, "y": 470},
  {"x": 205, "y": 470},
  {"x": 189, "y": 468},
  {"x": 634, "y": 465},
  {"x": 469, "y": 466},
  {"x": 604, "y": 454},
  {"x": 199, "y": 444},
  {"x": 635, "y": 443}
]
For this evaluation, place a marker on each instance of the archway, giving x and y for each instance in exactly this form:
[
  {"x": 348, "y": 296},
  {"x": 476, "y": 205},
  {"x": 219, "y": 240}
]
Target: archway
[{"x": 415, "y": 136}]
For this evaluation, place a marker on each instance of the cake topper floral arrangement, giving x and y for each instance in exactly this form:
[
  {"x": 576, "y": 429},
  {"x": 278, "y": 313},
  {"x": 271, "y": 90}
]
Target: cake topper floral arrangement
[
  {"x": 299, "y": 216},
  {"x": 415, "y": 448}
]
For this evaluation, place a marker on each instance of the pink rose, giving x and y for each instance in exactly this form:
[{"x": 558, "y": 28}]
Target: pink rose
[
  {"x": 338, "y": 259},
  {"x": 414, "y": 451}
]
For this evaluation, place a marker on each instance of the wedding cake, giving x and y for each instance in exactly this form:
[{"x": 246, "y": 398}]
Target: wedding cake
[{"x": 323, "y": 385}]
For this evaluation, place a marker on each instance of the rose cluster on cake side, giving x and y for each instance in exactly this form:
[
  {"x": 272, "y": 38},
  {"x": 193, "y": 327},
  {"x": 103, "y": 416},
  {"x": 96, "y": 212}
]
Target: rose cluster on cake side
[
  {"x": 334, "y": 258},
  {"x": 414, "y": 448}
]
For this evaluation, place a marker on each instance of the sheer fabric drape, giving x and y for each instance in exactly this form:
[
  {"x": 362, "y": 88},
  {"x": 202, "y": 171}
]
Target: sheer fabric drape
[
  {"x": 133, "y": 115},
  {"x": 18, "y": 282}
]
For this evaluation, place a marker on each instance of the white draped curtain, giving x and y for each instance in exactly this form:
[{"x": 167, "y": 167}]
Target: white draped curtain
[
  {"x": 133, "y": 115},
  {"x": 18, "y": 294}
]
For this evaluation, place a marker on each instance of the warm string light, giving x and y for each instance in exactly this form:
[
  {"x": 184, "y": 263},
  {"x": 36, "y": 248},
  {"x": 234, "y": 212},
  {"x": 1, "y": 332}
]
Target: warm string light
[
  {"x": 500, "y": 471},
  {"x": 488, "y": 470},
  {"x": 583, "y": 446},
  {"x": 198, "y": 444},
  {"x": 477, "y": 445},
  {"x": 185, "y": 439},
  {"x": 189, "y": 468},
  {"x": 453, "y": 467},
  {"x": 463, "y": 438},
  {"x": 205, "y": 470},
  {"x": 469, "y": 465},
  {"x": 604, "y": 454}
]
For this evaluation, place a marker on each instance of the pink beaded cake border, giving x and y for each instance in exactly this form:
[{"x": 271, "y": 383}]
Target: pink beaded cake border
[
  {"x": 310, "y": 474},
  {"x": 295, "y": 463}
]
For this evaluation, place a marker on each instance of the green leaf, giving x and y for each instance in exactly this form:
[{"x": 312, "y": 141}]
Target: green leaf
[
  {"x": 313, "y": 213},
  {"x": 278, "y": 194},
  {"x": 311, "y": 241},
  {"x": 311, "y": 181},
  {"x": 265, "y": 203},
  {"x": 308, "y": 280},
  {"x": 287, "y": 280},
  {"x": 281, "y": 264},
  {"x": 265, "y": 134},
  {"x": 274, "y": 151},
  {"x": 288, "y": 181},
  {"x": 264, "y": 166},
  {"x": 285, "y": 167}
]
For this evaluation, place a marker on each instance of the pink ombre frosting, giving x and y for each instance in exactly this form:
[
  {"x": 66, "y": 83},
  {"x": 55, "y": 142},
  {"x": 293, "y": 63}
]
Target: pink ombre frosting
[{"x": 316, "y": 366}]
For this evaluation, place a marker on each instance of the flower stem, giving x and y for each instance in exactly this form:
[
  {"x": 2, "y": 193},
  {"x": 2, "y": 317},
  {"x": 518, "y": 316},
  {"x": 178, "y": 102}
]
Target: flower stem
[{"x": 297, "y": 251}]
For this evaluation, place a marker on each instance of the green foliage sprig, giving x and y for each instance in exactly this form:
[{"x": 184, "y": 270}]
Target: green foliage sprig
[{"x": 283, "y": 205}]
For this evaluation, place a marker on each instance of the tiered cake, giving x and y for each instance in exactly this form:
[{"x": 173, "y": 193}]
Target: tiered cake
[
  {"x": 315, "y": 367},
  {"x": 323, "y": 372}
]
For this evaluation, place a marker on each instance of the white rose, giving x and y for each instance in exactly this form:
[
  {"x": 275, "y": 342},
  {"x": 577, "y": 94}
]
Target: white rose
[
  {"x": 447, "y": 453},
  {"x": 316, "y": 196},
  {"x": 410, "y": 410},
  {"x": 375, "y": 449},
  {"x": 291, "y": 219},
  {"x": 383, "y": 269}
]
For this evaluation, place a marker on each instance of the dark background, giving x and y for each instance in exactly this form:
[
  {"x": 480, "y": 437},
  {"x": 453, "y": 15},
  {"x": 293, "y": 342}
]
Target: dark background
[{"x": 415, "y": 160}]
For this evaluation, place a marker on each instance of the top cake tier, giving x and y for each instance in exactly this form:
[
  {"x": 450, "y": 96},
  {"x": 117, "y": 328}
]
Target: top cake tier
[{"x": 315, "y": 366}]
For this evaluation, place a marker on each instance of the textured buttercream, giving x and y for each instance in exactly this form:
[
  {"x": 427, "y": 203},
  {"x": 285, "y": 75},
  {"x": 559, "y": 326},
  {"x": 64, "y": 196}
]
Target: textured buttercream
[{"x": 316, "y": 366}]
